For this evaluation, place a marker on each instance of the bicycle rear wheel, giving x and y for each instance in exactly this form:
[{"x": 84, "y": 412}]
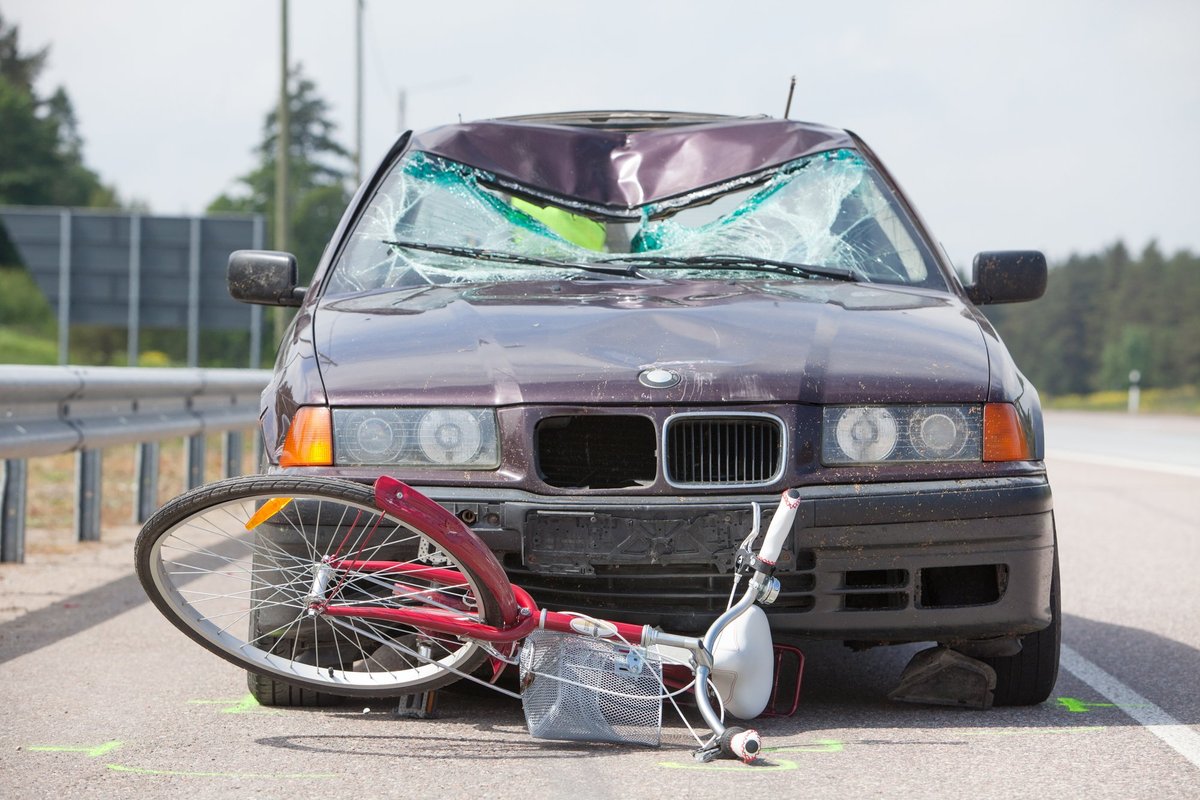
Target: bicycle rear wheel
[{"x": 236, "y": 566}]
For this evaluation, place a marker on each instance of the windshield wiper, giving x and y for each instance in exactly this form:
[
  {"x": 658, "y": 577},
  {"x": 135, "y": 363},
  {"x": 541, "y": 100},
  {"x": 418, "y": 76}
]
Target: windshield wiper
[
  {"x": 513, "y": 258},
  {"x": 734, "y": 262}
]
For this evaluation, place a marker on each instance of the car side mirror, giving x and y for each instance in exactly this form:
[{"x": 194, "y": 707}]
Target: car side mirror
[
  {"x": 264, "y": 277},
  {"x": 1007, "y": 276}
]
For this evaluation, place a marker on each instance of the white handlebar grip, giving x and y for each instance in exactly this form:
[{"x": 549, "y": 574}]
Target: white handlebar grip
[
  {"x": 780, "y": 527},
  {"x": 742, "y": 744}
]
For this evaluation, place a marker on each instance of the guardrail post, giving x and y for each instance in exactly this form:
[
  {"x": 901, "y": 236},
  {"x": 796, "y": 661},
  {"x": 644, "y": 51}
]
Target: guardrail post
[
  {"x": 146, "y": 482},
  {"x": 260, "y": 452},
  {"x": 194, "y": 460},
  {"x": 87, "y": 495},
  {"x": 232, "y": 454},
  {"x": 12, "y": 510}
]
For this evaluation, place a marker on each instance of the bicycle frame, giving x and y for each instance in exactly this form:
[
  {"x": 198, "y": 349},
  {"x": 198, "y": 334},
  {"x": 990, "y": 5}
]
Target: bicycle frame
[{"x": 520, "y": 615}]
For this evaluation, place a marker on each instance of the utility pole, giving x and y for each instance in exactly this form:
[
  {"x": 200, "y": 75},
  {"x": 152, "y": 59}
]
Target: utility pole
[
  {"x": 282, "y": 147},
  {"x": 358, "y": 91}
]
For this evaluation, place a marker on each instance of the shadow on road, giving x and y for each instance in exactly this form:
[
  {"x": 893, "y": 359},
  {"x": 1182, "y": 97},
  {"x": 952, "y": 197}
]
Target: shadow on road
[
  {"x": 77, "y": 613},
  {"x": 65, "y": 618},
  {"x": 853, "y": 686},
  {"x": 432, "y": 746},
  {"x": 842, "y": 690}
]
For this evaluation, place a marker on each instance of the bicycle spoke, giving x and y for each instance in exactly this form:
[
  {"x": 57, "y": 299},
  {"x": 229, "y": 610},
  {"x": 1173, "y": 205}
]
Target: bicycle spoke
[{"x": 256, "y": 594}]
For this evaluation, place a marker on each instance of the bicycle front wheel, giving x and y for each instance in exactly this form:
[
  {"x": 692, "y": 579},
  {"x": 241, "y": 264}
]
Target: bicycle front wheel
[{"x": 242, "y": 567}]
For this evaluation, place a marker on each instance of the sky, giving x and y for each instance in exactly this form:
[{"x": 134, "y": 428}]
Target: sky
[{"x": 1048, "y": 124}]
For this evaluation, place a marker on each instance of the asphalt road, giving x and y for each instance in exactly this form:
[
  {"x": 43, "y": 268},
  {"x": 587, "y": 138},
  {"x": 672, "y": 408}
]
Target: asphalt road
[{"x": 102, "y": 698}]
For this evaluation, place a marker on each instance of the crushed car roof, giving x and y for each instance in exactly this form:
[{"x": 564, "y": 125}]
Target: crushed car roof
[{"x": 625, "y": 159}]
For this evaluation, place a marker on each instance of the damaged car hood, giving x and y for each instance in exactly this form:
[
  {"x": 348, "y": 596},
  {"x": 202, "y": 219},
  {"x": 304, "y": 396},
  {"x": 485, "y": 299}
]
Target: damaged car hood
[
  {"x": 625, "y": 169},
  {"x": 741, "y": 342}
]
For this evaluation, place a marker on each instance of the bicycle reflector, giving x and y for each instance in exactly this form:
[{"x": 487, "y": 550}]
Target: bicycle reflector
[
  {"x": 309, "y": 441},
  {"x": 266, "y": 511}
]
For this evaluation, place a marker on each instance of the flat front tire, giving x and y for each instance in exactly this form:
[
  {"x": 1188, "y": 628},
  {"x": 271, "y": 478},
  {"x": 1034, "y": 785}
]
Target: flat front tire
[{"x": 1028, "y": 677}]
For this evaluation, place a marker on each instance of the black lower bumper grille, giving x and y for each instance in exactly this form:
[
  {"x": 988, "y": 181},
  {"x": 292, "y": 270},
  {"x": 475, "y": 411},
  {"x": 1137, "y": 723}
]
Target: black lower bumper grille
[{"x": 691, "y": 597}]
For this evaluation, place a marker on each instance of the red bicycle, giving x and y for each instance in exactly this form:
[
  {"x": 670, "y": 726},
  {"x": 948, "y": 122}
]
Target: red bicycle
[{"x": 379, "y": 591}]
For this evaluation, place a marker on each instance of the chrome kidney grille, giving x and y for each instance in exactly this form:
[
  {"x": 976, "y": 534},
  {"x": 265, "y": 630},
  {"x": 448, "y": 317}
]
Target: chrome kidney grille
[{"x": 714, "y": 449}]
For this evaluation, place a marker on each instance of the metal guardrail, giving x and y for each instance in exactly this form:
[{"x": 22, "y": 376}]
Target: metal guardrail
[{"x": 47, "y": 411}]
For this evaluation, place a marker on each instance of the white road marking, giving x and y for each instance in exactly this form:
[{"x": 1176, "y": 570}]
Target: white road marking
[
  {"x": 1181, "y": 738},
  {"x": 1124, "y": 463}
]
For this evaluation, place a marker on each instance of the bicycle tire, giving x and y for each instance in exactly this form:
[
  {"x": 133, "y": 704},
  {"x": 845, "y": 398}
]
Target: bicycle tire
[{"x": 238, "y": 580}]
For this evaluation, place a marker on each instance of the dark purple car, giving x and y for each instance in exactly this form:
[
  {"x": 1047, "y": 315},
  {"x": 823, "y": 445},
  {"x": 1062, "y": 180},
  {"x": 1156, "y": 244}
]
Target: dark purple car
[{"x": 598, "y": 337}]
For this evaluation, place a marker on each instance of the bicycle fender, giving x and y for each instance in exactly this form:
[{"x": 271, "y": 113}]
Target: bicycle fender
[{"x": 448, "y": 531}]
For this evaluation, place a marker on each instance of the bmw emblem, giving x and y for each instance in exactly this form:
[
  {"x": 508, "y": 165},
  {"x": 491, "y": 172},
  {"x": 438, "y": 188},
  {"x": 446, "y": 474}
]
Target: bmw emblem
[{"x": 658, "y": 378}]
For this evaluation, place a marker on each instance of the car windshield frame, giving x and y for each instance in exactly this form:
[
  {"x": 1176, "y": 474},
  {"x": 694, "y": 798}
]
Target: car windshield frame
[{"x": 825, "y": 216}]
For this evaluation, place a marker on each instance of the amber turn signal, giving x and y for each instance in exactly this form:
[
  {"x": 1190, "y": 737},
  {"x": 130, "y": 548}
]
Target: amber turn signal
[
  {"x": 309, "y": 441},
  {"x": 1003, "y": 437}
]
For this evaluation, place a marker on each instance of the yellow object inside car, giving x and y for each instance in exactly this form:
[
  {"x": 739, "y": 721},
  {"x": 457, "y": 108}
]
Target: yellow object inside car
[{"x": 572, "y": 227}]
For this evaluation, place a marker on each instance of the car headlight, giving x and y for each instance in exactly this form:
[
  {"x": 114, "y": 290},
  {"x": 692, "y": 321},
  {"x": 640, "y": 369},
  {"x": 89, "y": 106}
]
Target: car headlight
[
  {"x": 876, "y": 434},
  {"x": 416, "y": 437}
]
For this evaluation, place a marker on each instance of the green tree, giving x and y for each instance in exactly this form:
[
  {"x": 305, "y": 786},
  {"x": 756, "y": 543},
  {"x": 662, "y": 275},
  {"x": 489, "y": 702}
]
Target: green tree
[
  {"x": 1105, "y": 314},
  {"x": 318, "y": 169},
  {"x": 41, "y": 149},
  {"x": 21, "y": 70},
  {"x": 1129, "y": 351}
]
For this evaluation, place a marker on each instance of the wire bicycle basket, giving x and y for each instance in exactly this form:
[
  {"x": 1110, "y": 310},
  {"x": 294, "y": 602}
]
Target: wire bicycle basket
[{"x": 590, "y": 690}]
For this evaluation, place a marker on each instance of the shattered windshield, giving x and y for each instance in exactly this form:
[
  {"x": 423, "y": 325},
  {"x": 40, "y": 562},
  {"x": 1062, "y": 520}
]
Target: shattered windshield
[{"x": 435, "y": 221}]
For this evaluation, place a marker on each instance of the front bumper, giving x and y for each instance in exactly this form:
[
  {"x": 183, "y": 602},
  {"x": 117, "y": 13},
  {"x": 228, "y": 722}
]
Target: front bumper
[{"x": 890, "y": 562}]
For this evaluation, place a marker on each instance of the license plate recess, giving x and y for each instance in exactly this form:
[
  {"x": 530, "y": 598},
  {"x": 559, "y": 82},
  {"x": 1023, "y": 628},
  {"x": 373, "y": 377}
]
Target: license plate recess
[{"x": 575, "y": 542}]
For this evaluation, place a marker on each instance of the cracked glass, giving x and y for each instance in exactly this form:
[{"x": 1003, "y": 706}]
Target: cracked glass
[{"x": 435, "y": 221}]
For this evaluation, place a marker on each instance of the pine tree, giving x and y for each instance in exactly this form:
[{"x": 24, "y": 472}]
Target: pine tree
[
  {"x": 41, "y": 150},
  {"x": 318, "y": 169}
]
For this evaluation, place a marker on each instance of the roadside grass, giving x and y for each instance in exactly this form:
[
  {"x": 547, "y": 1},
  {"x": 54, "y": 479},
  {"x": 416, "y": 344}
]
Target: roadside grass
[
  {"x": 1179, "y": 400},
  {"x": 22, "y": 302},
  {"x": 29, "y": 335},
  {"x": 27, "y": 328},
  {"x": 20, "y": 347},
  {"x": 50, "y": 499}
]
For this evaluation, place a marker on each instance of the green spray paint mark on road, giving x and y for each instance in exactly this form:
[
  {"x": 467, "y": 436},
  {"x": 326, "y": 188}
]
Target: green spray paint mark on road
[
  {"x": 780, "y": 765},
  {"x": 1080, "y": 707},
  {"x": 90, "y": 752},
  {"x": 243, "y": 705},
  {"x": 188, "y": 774},
  {"x": 108, "y": 747}
]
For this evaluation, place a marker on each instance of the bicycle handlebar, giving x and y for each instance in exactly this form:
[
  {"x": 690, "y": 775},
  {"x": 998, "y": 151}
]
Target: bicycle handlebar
[
  {"x": 780, "y": 527},
  {"x": 740, "y": 743}
]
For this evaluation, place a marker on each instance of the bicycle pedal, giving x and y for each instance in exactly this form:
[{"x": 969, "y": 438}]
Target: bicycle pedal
[
  {"x": 422, "y": 705},
  {"x": 789, "y": 672}
]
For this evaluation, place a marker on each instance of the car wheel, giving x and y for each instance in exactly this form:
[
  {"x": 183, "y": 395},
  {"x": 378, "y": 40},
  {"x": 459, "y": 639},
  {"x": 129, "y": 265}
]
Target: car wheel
[
  {"x": 1028, "y": 677},
  {"x": 270, "y": 692}
]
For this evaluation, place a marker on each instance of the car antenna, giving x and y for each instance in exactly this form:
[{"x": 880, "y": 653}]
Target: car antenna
[{"x": 791, "y": 90}]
